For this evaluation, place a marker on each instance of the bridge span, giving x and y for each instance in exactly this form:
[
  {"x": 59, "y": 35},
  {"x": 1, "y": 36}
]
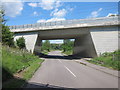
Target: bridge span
[{"x": 92, "y": 36}]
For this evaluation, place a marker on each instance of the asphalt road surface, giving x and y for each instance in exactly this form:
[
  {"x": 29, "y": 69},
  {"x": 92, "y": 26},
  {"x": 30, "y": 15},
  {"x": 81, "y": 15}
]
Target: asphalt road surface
[{"x": 59, "y": 72}]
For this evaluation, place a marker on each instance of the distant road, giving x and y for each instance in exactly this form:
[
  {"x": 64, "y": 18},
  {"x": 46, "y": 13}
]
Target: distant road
[{"x": 59, "y": 72}]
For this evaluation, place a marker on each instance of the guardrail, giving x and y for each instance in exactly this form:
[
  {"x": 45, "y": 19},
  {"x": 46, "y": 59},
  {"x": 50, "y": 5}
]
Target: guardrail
[{"x": 67, "y": 22}]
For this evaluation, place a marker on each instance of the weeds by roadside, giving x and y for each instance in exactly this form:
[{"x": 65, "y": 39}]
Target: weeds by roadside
[
  {"x": 15, "y": 61},
  {"x": 68, "y": 52},
  {"x": 110, "y": 60}
]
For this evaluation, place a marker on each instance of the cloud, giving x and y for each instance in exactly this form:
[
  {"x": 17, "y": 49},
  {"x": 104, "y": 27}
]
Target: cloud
[
  {"x": 13, "y": 9},
  {"x": 50, "y": 4},
  {"x": 35, "y": 13},
  {"x": 71, "y": 9},
  {"x": 58, "y": 13},
  {"x": 41, "y": 20},
  {"x": 55, "y": 19},
  {"x": 46, "y": 4},
  {"x": 50, "y": 20},
  {"x": 57, "y": 4},
  {"x": 32, "y": 4},
  {"x": 95, "y": 13},
  {"x": 111, "y": 14}
]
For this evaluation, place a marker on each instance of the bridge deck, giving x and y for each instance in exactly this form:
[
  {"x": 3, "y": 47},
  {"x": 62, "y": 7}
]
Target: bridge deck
[{"x": 103, "y": 21}]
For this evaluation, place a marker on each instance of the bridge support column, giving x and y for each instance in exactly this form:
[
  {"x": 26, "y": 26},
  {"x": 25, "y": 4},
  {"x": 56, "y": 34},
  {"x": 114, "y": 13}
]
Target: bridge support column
[
  {"x": 83, "y": 47},
  {"x": 38, "y": 45}
]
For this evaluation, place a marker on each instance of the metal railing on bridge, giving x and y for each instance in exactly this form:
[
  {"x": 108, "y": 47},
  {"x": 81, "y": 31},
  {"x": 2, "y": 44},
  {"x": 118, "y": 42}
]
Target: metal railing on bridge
[{"x": 68, "y": 22}]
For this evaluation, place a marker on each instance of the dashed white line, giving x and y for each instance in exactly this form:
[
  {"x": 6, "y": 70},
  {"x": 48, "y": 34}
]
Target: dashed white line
[
  {"x": 70, "y": 71},
  {"x": 60, "y": 61},
  {"x": 67, "y": 69}
]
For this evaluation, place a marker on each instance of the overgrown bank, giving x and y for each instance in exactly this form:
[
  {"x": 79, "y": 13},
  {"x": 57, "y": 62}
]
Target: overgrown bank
[
  {"x": 16, "y": 61},
  {"x": 110, "y": 60},
  {"x": 17, "y": 64}
]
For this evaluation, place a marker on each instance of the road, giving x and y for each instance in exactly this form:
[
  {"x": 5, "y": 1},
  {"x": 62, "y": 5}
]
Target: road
[{"x": 66, "y": 73}]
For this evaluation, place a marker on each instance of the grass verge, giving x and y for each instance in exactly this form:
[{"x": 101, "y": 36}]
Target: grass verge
[
  {"x": 45, "y": 52},
  {"x": 68, "y": 52},
  {"x": 110, "y": 60},
  {"x": 22, "y": 63}
]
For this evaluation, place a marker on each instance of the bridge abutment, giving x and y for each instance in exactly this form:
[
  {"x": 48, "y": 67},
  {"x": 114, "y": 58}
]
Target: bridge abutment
[
  {"x": 83, "y": 47},
  {"x": 105, "y": 39},
  {"x": 30, "y": 39},
  {"x": 38, "y": 44}
]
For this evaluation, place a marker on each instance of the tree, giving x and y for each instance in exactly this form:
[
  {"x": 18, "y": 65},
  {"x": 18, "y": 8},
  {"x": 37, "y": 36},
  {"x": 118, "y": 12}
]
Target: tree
[
  {"x": 21, "y": 42},
  {"x": 46, "y": 46},
  {"x": 68, "y": 45},
  {"x": 7, "y": 36}
]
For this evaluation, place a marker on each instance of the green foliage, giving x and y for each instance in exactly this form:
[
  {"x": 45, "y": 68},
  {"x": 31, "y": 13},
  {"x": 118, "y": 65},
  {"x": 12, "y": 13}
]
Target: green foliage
[
  {"x": 31, "y": 70},
  {"x": 21, "y": 42},
  {"x": 68, "y": 52},
  {"x": 46, "y": 46},
  {"x": 111, "y": 60},
  {"x": 2, "y": 14},
  {"x": 56, "y": 47},
  {"x": 7, "y": 36},
  {"x": 44, "y": 52},
  {"x": 68, "y": 46},
  {"x": 14, "y": 59}
]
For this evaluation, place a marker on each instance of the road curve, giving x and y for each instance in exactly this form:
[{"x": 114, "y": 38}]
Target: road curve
[{"x": 58, "y": 72}]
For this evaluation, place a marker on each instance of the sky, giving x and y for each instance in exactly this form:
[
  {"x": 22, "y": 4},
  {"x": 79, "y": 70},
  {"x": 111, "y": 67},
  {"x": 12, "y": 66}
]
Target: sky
[{"x": 19, "y": 13}]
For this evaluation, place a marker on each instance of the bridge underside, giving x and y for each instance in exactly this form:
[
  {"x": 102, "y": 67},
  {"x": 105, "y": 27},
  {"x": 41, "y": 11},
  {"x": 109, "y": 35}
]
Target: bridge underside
[{"x": 83, "y": 46}]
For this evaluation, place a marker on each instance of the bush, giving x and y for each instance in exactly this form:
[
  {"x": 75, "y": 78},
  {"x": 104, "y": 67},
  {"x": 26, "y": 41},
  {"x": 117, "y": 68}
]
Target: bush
[
  {"x": 21, "y": 42},
  {"x": 68, "y": 46},
  {"x": 46, "y": 46}
]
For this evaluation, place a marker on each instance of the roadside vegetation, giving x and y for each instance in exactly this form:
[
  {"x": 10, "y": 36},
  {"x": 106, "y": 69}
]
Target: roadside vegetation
[
  {"x": 110, "y": 60},
  {"x": 15, "y": 61},
  {"x": 18, "y": 65},
  {"x": 45, "y": 47},
  {"x": 66, "y": 47}
]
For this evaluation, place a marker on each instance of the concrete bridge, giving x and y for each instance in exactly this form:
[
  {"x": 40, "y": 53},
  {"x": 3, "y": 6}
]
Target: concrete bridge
[{"x": 92, "y": 36}]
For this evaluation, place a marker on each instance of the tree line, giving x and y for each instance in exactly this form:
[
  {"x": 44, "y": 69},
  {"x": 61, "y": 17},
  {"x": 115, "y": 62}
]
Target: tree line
[{"x": 67, "y": 46}]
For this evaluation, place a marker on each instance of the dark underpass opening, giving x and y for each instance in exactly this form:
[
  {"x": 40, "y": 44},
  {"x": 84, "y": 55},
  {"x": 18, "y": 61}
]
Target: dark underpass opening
[{"x": 57, "y": 49}]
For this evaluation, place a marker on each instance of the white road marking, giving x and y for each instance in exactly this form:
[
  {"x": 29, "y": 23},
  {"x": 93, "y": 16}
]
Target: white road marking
[
  {"x": 60, "y": 61},
  {"x": 70, "y": 71}
]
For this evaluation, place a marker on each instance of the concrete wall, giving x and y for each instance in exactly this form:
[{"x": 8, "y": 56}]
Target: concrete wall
[
  {"x": 38, "y": 44},
  {"x": 30, "y": 39},
  {"x": 119, "y": 38},
  {"x": 84, "y": 47},
  {"x": 62, "y": 33},
  {"x": 105, "y": 38}
]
